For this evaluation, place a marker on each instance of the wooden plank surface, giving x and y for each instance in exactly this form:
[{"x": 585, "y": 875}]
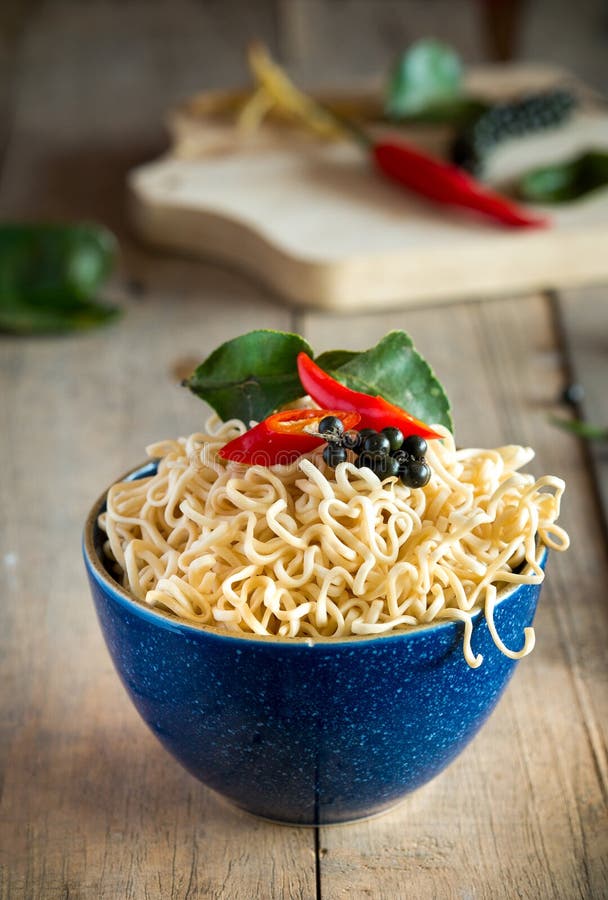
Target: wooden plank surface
[
  {"x": 522, "y": 811},
  {"x": 91, "y": 806},
  {"x": 336, "y": 42},
  {"x": 585, "y": 335}
]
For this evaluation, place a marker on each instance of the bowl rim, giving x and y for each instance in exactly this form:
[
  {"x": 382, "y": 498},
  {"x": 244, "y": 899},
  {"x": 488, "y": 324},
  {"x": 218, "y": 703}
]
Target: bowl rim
[{"x": 165, "y": 619}]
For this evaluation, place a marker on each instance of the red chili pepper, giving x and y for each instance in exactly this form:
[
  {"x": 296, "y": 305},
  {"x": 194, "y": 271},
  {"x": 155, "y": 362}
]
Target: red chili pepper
[
  {"x": 446, "y": 184},
  {"x": 375, "y": 412},
  {"x": 280, "y": 439}
]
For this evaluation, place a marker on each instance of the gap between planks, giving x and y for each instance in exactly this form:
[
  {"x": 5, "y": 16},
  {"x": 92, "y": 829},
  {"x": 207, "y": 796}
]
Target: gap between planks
[{"x": 582, "y": 317}]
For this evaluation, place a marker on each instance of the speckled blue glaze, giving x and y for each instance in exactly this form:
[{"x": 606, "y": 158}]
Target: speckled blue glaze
[{"x": 307, "y": 734}]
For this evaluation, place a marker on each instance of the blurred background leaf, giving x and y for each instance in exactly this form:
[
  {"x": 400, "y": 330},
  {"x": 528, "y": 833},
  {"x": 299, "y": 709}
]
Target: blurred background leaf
[
  {"x": 565, "y": 181},
  {"x": 49, "y": 274},
  {"x": 427, "y": 79},
  {"x": 585, "y": 430}
]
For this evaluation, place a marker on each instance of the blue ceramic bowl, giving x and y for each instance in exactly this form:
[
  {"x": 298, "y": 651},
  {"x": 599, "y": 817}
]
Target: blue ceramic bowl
[{"x": 300, "y": 731}]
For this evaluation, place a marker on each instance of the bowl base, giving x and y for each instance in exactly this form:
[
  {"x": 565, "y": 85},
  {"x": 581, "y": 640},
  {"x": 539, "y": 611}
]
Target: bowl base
[{"x": 287, "y": 824}]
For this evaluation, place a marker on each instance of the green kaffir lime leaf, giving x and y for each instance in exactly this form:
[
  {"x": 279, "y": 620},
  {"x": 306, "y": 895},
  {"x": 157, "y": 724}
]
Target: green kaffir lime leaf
[
  {"x": 396, "y": 371},
  {"x": 251, "y": 376}
]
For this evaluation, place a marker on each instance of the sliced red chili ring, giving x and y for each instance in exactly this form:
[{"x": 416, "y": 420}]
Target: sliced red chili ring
[{"x": 281, "y": 438}]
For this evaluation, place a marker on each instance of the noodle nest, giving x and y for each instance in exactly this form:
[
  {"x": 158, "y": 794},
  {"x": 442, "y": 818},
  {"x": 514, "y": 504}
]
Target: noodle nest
[{"x": 308, "y": 551}]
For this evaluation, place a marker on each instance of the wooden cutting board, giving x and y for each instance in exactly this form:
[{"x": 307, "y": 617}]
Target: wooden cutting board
[{"x": 316, "y": 224}]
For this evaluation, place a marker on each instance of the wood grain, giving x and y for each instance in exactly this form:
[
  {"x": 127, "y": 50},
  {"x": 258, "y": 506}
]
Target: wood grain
[
  {"x": 91, "y": 805},
  {"x": 12, "y": 15},
  {"x": 585, "y": 334},
  {"x": 522, "y": 812},
  {"x": 330, "y": 42}
]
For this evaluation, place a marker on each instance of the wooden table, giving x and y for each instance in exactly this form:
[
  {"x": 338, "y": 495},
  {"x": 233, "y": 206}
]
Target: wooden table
[{"x": 92, "y": 806}]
